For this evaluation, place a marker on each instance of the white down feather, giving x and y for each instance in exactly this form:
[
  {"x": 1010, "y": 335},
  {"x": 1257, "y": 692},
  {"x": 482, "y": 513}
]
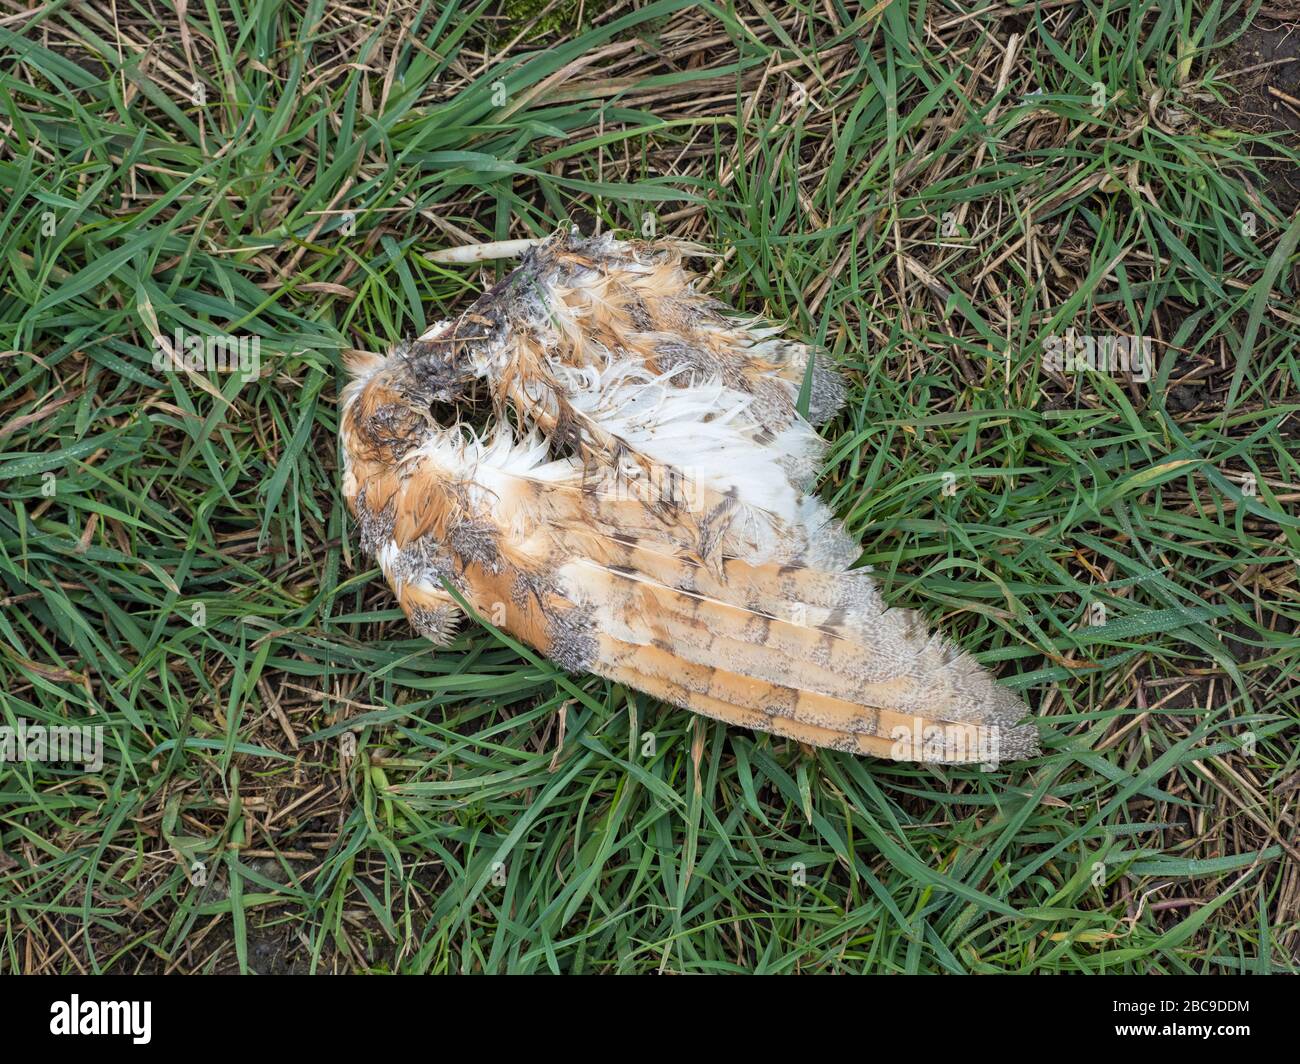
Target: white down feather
[{"x": 702, "y": 432}]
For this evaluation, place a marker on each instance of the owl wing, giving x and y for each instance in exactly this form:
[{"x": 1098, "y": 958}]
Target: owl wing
[{"x": 571, "y": 564}]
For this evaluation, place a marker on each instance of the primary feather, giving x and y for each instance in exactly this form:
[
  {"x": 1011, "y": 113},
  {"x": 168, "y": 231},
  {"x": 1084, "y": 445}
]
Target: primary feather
[{"x": 651, "y": 524}]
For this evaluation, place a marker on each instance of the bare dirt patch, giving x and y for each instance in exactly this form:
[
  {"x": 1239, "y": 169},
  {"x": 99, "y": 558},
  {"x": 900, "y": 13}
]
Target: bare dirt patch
[{"x": 1264, "y": 68}]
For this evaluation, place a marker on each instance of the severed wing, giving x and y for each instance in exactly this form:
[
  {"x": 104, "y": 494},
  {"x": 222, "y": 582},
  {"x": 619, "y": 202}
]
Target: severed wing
[{"x": 577, "y": 564}]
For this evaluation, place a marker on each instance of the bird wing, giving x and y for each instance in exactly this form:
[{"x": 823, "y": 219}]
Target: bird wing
[{"x": 570, "y": 563}]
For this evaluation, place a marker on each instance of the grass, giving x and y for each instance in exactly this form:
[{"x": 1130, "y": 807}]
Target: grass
[{"x": 294, "y": 782}]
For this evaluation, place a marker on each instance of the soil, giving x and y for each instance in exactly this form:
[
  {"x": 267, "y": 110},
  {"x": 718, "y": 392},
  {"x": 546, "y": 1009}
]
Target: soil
[{"x": 1274, "y": 39}]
